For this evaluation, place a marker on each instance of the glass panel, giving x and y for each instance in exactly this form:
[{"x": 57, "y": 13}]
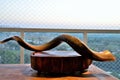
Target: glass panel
[
  {"x": 106, "y": 41},
  {"x": 10, "y": 51},
  {"x": 38, "y": 38}
]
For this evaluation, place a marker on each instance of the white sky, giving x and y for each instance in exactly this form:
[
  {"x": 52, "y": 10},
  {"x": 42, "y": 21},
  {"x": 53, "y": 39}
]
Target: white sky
[{"x": 83, "y": 12}]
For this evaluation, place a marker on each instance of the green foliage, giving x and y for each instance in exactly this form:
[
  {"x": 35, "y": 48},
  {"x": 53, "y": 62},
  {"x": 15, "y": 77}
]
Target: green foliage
[
  {"x": 27, "y": 56},
  {"x": 9, "y": 57}
]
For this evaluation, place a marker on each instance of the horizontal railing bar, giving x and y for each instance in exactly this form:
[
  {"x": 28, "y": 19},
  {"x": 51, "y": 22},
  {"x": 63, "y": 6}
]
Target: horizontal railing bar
[{"x": 60, "y": 30}]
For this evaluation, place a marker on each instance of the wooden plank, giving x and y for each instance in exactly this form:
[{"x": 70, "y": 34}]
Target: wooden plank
[
  {"x": 25, "y": 72},
  {"x": 100, "y": 74}
]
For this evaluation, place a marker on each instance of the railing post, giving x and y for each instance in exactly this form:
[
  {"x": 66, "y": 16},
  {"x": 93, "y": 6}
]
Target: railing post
[
  {"x": 85, "y": 37},
  {"x": 22, "y": 50}
]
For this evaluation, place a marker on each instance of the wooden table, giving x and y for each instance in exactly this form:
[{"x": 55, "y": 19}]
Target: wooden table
[{"x": 25, "y": 72}]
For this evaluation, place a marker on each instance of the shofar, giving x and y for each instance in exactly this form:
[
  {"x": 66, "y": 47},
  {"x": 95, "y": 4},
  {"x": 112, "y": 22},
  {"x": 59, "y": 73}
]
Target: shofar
[{"x": 79, "y": 46}]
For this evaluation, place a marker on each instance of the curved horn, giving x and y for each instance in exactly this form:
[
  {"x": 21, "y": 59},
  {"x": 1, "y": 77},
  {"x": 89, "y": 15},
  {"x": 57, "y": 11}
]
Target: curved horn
[{"x": 79, "y": 46}]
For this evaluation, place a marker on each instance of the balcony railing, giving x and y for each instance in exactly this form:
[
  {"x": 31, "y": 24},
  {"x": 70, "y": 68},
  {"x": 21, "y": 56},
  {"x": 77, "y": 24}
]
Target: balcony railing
[{"x": 85, "y": 35}]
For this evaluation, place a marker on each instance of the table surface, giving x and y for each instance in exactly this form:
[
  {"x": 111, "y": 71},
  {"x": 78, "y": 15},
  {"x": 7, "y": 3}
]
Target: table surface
[{"x": 25, "y": 72}]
